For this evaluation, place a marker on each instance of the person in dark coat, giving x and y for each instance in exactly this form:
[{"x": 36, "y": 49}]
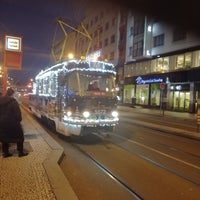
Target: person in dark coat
[{"x": 10, "y": 124}]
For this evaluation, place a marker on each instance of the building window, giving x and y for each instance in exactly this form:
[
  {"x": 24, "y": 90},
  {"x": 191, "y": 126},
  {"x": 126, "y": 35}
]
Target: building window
[
  {"x": 138, "y": 48},
  {"x": 105, "y": 58},
  {"x": 95, "y": 33},
  {"x": 95, "y": 47},
  {"x": 112, "y": 39},
  {"x": 131, "y": 30},
  {"x": 101, "y": 14},
  {"x": 91, "y": 23},
  {"x": 179, "y": 61},
  {"x": 96, "y": 19},
  {"x": 179, "y": 35},
  {"x": 162, "y": 65},
  {"x": 184, "y": 61},
  {"x": 188, "y": 60},
  {"x": 130, "y": 51},
  {"x": 139, "y": 26},
  {"x": 112, "y": 56},
  {"x": 113, "y": 21},
  {"x": 100, "y": 45},
  {"x": 100, "y": 28},
  {"x": 158, "y": 40},
  {"x": 106, "y": 42},
  {"x": 106, "y": 26}
]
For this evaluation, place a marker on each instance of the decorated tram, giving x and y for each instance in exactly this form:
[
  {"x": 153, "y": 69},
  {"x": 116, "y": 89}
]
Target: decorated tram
[{"x": 76, "y": 97}]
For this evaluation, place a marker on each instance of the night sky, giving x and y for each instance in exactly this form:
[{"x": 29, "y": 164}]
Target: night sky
[{"x": 35, "y": 22}]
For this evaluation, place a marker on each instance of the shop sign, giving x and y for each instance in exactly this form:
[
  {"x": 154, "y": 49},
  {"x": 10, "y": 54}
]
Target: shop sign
[{"x": 139, "y": 80}]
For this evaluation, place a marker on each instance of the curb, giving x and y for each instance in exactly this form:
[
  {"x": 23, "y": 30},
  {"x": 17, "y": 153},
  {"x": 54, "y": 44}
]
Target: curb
[
  {"x": 167, "y": 129},
  {"x": 59, "y": 183}
]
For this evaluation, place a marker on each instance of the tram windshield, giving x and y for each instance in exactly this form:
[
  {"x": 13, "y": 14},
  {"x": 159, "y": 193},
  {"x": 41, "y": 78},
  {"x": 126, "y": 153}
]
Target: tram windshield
[{"x": 86, "y": 84}]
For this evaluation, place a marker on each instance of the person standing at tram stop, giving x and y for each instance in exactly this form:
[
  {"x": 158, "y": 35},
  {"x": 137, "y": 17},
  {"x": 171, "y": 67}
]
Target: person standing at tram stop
[{"x": 11, "y": 130}]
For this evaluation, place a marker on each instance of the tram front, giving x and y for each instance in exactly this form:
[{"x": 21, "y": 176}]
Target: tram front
[{"x": 88, "y": 98}]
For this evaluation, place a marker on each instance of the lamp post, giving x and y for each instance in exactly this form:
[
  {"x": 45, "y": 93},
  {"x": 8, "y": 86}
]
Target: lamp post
[
  {"x": 1, "y": 79},
  {"x": 5, "y": 74},
  {"x": 162, "y": 88}
]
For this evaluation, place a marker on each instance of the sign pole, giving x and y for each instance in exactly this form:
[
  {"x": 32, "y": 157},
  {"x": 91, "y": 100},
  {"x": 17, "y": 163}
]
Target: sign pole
[
  {"x": 162, "y": 87},
  {"x": 5, "y": 74}
]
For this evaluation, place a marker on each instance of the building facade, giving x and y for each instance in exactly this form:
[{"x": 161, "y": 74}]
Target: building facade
[
  {"x": 102, "y": 23},
  {"x": 162, "y": 65}
]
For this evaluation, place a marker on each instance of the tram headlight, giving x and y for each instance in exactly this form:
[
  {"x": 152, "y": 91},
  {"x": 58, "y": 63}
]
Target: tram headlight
[
  {"x": 86, "y": 114},
  {"x": 114, "y": 113},
  {"x": 69, "y": 113}
]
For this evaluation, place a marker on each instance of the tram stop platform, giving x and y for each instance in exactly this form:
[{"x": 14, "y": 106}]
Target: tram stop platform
[{"x": 38, "y": 175}]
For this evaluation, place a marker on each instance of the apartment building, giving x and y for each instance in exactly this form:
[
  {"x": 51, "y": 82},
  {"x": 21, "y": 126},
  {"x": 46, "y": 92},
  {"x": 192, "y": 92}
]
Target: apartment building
[
  {"x": 102, "y": 24},
  {"x": 162, "y": 65}
]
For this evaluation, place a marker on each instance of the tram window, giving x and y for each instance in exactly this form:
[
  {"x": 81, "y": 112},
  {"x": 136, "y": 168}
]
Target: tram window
[{"x": 93, "y": 86}]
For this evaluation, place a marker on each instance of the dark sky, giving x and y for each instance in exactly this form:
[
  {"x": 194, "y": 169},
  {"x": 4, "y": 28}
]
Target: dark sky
[{"x": 36, "y": 22}]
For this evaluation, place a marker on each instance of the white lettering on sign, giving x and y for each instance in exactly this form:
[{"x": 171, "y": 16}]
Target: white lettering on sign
[
  {"x": 139, "y": 80},
  {"x": 13, "y": 43}
]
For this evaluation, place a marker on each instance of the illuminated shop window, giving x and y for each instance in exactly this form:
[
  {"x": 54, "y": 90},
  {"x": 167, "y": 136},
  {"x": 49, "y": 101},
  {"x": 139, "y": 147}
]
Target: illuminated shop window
[
  {"x": 179, "y": 61},
  {"x": 188, "y": 60},
  {"x": 160, "y": 65},
  {"x": 184, "y": 61}
]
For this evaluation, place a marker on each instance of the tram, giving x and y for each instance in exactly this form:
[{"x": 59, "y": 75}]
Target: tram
[{"x": 76, "y": 97}]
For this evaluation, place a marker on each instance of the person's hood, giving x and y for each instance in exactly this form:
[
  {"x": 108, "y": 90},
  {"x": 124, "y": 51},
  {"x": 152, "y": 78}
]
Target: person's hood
[{"x": 5, "y": 100}]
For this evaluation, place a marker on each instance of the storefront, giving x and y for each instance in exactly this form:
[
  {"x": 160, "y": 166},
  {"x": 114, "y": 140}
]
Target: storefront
[
  {"x": 179, "y": 90},
  {"x": 180, "y": 97}
]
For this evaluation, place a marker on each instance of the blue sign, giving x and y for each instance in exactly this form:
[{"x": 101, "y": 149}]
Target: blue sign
[{"x": 140, "y": 81}]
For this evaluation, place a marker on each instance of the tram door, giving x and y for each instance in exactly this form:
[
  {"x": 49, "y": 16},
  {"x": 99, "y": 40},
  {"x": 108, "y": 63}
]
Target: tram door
[{"x": 181, "y": 101}]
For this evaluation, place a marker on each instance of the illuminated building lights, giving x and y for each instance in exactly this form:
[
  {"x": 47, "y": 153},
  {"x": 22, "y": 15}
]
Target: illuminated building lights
[{"x": 149, "y": 28}]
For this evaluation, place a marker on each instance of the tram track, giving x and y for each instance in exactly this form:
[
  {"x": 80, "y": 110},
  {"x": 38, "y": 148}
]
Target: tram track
[
  {"x": 109, "y": 173},
  {"x": 95, "y": 152},
  {"x": 166, "y": 156}
]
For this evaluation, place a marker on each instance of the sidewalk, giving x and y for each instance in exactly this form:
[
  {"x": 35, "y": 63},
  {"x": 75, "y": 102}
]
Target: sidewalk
[
  {"x": 38, "y": 175},
  {"x": 184, "y": 117}
]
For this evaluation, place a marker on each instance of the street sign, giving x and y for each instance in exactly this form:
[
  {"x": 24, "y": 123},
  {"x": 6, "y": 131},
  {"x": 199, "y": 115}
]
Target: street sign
[
  {"x": 12, "y": 56},
  {"x": 162, "y": 85},
  {"x": 13, "y": 52},
  {"x": 13, "y": 43}
]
